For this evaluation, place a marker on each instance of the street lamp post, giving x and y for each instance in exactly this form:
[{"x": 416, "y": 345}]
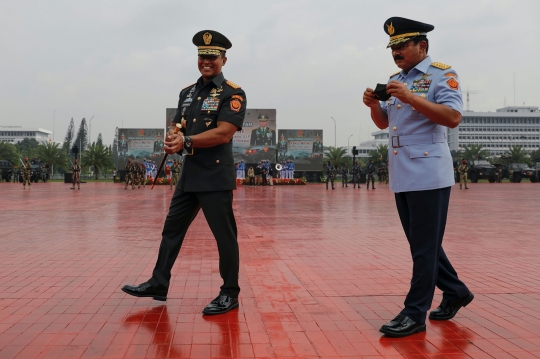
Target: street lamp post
[{"x": 335, "y": 145}]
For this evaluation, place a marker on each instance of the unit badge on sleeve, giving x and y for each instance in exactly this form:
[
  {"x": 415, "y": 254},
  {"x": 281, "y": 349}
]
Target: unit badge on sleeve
[
  {"x": 235, "y": 105},
  {"x": 452, "y": 83}
]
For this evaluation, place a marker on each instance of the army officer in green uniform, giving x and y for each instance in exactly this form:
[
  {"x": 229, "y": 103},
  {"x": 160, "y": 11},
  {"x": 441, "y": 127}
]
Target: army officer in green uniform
[
  {"x": 210, "y": 111},
  {"x": 263, "y": 136}
]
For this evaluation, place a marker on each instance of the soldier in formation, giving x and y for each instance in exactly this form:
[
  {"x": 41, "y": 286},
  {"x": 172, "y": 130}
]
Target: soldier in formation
[
  {"x": 26, "y": 173},
  {"x": 356, "y": 175},
  {"x": 129, "y": 174},
  {"x": 370, "y": 174},
  {"x": 175, "y": 169},
  {"x": 462, "y": 170},
  {"x": 330, "y": 172},
  {"x": 498, "y": 173},
  {"x": 141, "y": 170},
  {"x": 76, "y": 174},
  {"x": 15, "y": 174},
  {"x": 344, "y": 176}
]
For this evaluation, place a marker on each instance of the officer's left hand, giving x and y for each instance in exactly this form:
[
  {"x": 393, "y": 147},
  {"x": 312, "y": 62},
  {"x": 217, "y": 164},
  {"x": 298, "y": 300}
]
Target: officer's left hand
[
  {"x": 173, "y": 143},
  {"x": 399, "y": 90}
]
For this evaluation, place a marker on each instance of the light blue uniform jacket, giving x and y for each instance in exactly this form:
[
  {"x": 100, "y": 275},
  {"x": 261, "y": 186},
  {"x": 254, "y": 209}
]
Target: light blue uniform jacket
[{"x": 418, "y": 153}]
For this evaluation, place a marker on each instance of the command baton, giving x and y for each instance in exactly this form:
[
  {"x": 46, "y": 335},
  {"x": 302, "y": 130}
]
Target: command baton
[{"x": 176, "y": 130}]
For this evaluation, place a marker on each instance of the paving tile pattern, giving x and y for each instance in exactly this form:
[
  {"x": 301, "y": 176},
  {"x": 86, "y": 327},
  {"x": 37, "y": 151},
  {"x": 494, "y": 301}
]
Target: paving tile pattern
[{"x": 320, "y": 272}]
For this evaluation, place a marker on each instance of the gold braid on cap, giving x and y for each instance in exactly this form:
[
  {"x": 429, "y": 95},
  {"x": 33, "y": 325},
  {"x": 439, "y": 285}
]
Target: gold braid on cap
[
  {"x": 398, "y": 39},
  {"x": 211, "y": 50}
]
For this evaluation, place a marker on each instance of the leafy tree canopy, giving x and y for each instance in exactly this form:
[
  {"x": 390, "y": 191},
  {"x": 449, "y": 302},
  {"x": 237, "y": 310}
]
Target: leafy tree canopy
[
  {"x": 10, "y": 152},
  {"x": 99, "y": 157}
]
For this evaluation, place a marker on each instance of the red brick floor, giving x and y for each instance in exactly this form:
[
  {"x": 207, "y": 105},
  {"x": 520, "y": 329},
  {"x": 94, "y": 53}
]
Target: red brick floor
[{"x": 321, "y": 271}]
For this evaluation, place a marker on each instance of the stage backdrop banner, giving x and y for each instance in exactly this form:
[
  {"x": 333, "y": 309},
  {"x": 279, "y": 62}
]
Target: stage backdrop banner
[
  {"x": 257, "y": 139},
  {"x": 140, "y": 144},
  {"x": 304, "y": 147}
]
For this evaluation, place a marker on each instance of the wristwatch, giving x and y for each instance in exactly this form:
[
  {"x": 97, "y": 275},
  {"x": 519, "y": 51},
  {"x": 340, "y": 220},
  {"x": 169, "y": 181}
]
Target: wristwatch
[{"x": 188, "y": 143}]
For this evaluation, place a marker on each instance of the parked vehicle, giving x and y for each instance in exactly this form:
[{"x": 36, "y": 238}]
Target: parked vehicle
[
  {"x": 516, "y": 172},
  {"x": 7, "y": 170},
  {"x": 481, "y": 169}
]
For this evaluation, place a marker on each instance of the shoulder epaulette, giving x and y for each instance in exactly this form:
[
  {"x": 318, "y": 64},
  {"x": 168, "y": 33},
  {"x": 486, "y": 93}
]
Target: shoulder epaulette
[
  {"x": 187, "y": 87},
  {"x": 232, "y": 84},
  {"x": 395, "y": 74},
  {"x": 440, "y": 65}
]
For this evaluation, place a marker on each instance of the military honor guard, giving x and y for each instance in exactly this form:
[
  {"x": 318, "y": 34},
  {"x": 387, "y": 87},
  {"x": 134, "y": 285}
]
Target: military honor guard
[
  {"x": 292, "y": 168},
  {"x": 344, "y": 175},
  {"x": 175, "y": 169},
  {"x": 242, "y": 169},
  {"x": 356, "y": 175},
  {"x": 419, "y": 103},
  {"x": 462, "y": 170},
  {"x": 370, "y": 170},
  {"x": 26, "y": 173},
  {"x": 129, "y": 174},
  {"x": 210, "y": 112},
  {"x": 330, "y": 171},
  {"x": 76, "y": 174},
  {"x": 285, "y": 169}
]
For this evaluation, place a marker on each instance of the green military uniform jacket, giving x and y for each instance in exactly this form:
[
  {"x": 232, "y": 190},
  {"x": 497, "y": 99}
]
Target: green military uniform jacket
[{"x": 200, "y": 108}]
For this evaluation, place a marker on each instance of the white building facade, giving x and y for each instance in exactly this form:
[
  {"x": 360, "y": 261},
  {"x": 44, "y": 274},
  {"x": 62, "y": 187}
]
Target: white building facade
[
  {"x": 380, "y": 137},
  {"x": 14, "y": 134},
  {"x": 497, "y": 131}
]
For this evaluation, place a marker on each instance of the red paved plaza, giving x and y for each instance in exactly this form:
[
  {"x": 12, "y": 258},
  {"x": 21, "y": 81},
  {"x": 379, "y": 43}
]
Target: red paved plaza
[{"x": 320, "y": 272}]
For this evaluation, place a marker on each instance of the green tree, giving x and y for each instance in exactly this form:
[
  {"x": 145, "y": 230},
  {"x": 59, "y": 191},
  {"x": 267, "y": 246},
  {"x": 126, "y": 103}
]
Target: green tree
[
  {"x": 97, "y": 156},
  {"x": 379, "y": 155},
  {"x": 9, "y": 151},
  {"x": 517, "y": 154},
  {"x": 115, "y": 147},
  {"x": 70, "y": 134},
  {"x": 335, "y": 155},
  {"x": 474, "y": 152},
  {"x": 99, "y": 139},
  {"x": 456, "y": 155},
  {"x": 535, "y": 155},
  {"x": 52, "y": 154},
  {"x": 28, "y": 147},
  {"x": 81, "y": 141}
]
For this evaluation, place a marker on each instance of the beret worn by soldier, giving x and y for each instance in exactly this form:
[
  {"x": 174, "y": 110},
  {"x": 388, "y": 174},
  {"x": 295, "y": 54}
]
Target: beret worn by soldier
[
  {"x": 402, "y": 30},
  {"x": 211, "y": 43}
]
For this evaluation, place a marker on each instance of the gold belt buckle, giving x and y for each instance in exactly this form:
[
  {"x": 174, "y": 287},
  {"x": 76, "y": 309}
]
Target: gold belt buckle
[{"x": 393, "y": 145}]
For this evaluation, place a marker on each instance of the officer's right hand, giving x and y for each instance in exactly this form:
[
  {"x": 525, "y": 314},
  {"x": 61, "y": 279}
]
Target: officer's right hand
[
  {"x": 173, "y": 143},
  {"x": 370, "y": 100}
]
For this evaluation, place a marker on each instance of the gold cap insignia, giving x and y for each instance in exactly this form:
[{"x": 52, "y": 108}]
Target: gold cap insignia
[
  {"x": 207, "y": 38},
  {"x": 391, "y": 29}
]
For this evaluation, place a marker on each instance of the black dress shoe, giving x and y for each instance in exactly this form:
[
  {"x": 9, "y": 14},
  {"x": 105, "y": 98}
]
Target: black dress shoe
[
  {"x": 222, "y": 304},
  {"x": 448, "y": 308},
  {"x": 401, "y": 326},
  {"x": 147, "y": 290}
]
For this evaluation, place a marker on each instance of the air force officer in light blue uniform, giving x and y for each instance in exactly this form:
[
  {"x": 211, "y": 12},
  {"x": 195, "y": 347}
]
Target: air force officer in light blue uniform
[{"x": 425, "y": 99}]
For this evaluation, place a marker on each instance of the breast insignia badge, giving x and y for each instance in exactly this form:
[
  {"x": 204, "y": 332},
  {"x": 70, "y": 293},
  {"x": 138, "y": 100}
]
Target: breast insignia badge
[{"x": 216, "y": 91}]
